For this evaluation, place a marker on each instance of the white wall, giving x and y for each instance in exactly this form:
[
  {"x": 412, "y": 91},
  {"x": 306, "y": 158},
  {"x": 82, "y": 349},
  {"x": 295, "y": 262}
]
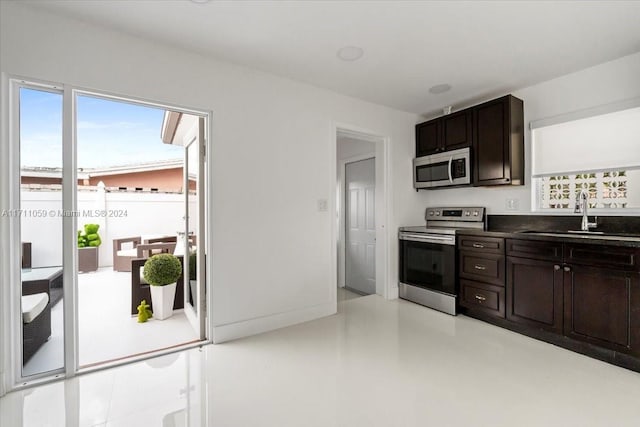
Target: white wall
[
  {"x": 603, "y": 84},
  {"x": 273, "y": 157},
  {"x": 146, "y": 214}
]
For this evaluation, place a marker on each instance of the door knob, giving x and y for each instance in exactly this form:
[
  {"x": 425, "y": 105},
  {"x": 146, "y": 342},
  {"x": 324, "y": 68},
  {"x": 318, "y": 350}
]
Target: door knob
[
  {"x": 566, "y": 268},
  {"x": 556, "y": 267}
]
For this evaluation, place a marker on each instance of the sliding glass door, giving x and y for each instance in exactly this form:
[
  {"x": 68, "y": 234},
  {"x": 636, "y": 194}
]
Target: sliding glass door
[
  {"x": 194, "y": 271},
  {"x": 38, "y": 219},
  {"x": 78, "y": 191}
]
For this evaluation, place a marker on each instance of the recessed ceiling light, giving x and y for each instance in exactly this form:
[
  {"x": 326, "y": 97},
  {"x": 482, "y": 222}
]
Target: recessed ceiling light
[
  {"x": 201, "y": 1},
  {"x": 439, "y": 88},
  {"x": 350, "y": 53}
]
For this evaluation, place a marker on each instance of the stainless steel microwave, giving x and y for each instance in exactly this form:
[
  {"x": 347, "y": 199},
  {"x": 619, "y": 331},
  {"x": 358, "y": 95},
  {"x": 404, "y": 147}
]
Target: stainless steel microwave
[{"x": 450, "y": 168}]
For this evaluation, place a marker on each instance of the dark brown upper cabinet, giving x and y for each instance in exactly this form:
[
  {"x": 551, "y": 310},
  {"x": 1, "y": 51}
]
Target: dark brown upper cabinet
[
  {"x": 498, "y": 142},
  {"x": 427, "y": 138},
  {"x": 445, "y": 133}
]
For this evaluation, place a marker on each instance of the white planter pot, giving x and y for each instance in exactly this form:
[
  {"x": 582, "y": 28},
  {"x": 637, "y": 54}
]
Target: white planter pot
[{"x": 162, "y": 298}]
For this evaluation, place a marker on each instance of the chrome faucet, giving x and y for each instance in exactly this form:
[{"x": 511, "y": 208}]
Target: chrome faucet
[{"x": 581, "y": 207}]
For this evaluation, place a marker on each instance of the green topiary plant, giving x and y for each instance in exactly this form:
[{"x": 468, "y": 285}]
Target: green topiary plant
[
  {"x": 162, "y": 269},
  {"x": 89, "y": 237}
]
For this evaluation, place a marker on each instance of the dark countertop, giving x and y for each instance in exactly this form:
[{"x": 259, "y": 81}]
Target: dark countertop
[
  {"x": 618, "y": 230},
  {"x": 626, "y": 241}
]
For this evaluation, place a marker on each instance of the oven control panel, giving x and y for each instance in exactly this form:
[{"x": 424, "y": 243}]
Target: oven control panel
[{"x": 472, "y": 214}]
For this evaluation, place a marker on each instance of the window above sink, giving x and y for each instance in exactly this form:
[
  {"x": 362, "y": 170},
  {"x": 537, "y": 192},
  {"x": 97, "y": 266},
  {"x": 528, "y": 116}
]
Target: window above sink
[
  {"x": 594, "y": 150},
  {"x": 607, "y": 190}
]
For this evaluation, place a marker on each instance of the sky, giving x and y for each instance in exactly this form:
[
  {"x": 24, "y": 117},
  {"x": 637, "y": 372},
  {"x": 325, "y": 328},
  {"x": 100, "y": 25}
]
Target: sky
[{"x": 110, "y": 133}]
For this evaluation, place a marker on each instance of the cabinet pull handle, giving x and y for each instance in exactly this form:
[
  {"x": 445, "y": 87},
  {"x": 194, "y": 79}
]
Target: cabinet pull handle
[
  {"x": 556, "y": 267},
  {"x": 567, "y": 268},
  {"x": 479, "y": 267},
  {"x": 478, "y": 245},
  {"x": 480, "y": 298}
]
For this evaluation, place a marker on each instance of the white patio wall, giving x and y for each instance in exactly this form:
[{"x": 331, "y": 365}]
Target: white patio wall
[{"x": 147, "y": 214}]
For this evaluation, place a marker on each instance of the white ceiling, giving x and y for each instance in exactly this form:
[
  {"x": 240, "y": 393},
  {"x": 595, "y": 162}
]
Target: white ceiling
[{"x": 481, "y": 49}]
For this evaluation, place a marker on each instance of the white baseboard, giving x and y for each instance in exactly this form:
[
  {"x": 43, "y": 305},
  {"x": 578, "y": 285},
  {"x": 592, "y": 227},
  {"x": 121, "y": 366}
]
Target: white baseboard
[
  {"x": 393, "y": 293},
  {"x": 250, "y": 327}
]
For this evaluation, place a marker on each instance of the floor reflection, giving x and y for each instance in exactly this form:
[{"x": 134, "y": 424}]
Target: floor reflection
[{"x": 377, "y": 364}]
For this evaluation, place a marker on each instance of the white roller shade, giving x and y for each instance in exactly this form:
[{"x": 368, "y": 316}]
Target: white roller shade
[{"x": 602, "y": 142}]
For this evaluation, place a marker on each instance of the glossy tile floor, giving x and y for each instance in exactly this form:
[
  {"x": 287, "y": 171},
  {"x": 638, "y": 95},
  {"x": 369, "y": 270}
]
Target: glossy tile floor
[
  {"x": 376, "y": 363},
  {"x": 346, "y": 294}
]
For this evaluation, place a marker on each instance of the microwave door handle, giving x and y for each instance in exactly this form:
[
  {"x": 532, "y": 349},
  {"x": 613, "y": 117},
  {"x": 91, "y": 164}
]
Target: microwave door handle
[{"x": 450, "y": 164}]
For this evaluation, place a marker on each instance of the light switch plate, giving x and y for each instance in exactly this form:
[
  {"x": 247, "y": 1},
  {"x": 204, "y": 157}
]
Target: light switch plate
[{"x": 323, "y": 205}]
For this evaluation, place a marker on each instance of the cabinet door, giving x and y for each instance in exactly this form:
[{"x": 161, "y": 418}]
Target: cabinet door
[
  {"x": 491, "y": 142},
  {"x": 534, "y": 293},
  {"x": 602, "y": 307},
  {"x": 427, "y": 138},
  {"x": 456, "y": 130}
]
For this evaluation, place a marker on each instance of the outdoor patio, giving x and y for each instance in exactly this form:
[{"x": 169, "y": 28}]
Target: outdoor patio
[{"x": 107, "y": 330}]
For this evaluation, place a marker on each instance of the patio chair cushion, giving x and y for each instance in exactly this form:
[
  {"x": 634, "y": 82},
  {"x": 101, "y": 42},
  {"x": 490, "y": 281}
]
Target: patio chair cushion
[
  {"x": 33, "y": 305},
  {"x": 133, "y": 252}
]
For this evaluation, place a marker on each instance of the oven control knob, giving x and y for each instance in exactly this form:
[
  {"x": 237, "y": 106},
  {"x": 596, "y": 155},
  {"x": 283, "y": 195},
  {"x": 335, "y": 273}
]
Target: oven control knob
[
  {"x": 467, "y": 213},
  {"x": 430, "y": 213},
  {"x": 437, "y": 213},
  {"x": 475, "y": 213}
]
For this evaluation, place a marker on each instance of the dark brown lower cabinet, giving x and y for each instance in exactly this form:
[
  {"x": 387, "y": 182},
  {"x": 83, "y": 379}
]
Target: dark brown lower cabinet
[
  {"x": 482, "y": 297},
  {"x": 580, "y": 296},
  {"x": 535, "y": 293},
  {"x": 602, "y": 307}
]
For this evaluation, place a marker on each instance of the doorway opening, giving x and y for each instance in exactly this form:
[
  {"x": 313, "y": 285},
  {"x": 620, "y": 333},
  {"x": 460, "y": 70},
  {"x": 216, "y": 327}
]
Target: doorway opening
[
  {"x": 137, "y": 185},
  {"x": 361, "y": 213},
  {"x": 99, "y": 186}
]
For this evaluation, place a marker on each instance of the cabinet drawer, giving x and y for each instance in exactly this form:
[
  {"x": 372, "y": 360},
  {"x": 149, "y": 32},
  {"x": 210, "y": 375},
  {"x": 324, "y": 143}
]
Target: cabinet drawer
[
  {"x": 602, "y": 256},
  {"x": 483, "y": 298},
  {"x": 492, "y": 245},
  {"x": 533, "y": 249},
  {"x": 483, "y": 267}
]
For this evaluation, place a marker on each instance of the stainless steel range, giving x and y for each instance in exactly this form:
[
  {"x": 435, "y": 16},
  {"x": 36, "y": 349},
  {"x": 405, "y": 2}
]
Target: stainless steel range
[{"x": 428, "y": 256}]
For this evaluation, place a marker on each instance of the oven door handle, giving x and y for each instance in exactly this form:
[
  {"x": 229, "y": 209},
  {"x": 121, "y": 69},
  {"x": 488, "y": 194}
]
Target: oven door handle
[
  {"x": 450, "y": 174},
  {"x": 446, "y": 240}
]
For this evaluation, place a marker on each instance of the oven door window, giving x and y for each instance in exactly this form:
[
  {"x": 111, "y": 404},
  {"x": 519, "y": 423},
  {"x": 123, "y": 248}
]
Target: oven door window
[
  {"x": 433, "y": 172},
  {"x": 428, "y": 265}
]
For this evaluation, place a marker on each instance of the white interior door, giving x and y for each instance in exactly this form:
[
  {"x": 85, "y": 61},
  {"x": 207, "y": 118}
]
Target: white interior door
[
  {"x": 194, "y": 245},
  {"x": 360, "y": 230}
]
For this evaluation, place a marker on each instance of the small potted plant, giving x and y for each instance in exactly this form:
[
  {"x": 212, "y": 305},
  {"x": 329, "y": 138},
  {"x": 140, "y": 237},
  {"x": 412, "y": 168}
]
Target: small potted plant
[
  {"x": 88, "y": 242},
  {"x": 161, "y": 272}
]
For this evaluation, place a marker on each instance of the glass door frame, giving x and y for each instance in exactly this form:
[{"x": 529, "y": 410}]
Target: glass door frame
[
  {"x": 195, "y": 315},
  {"x": 12, "y": 294},
  {"x": 11, "y": 376}
]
